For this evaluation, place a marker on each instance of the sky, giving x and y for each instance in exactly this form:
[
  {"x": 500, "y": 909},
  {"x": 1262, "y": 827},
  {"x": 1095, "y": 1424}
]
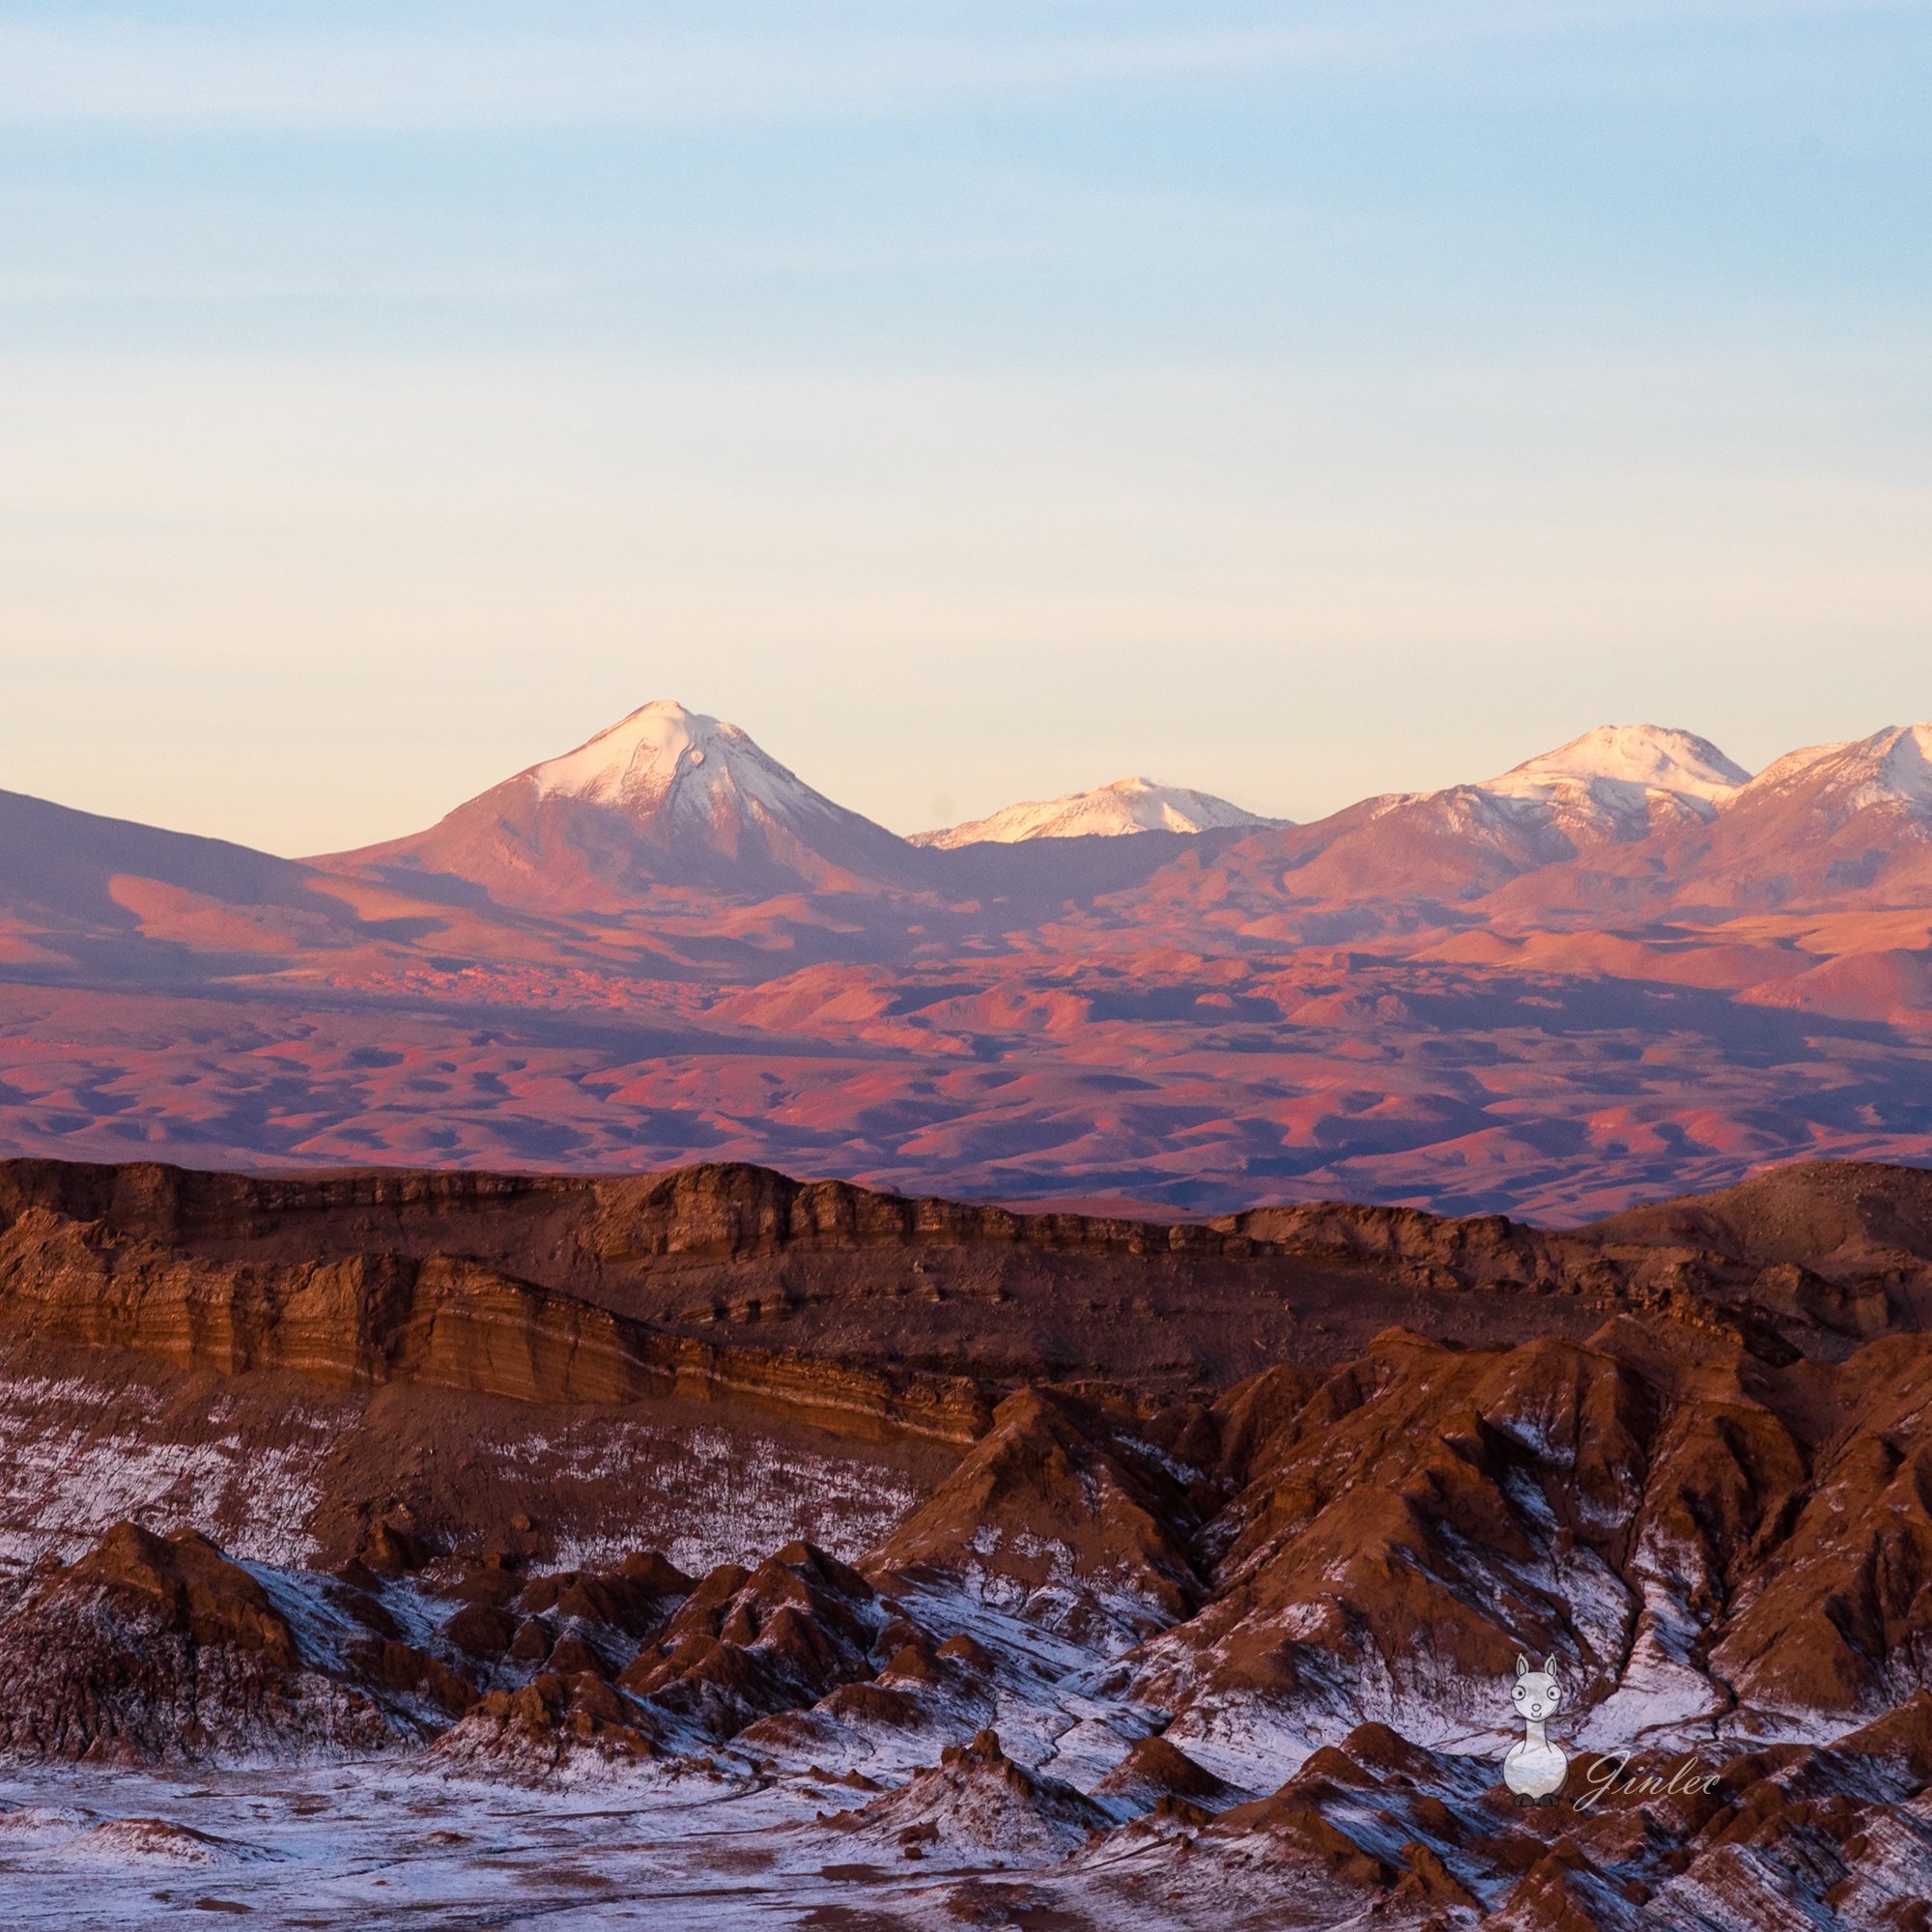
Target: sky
[{"x": 973, "y": 403}]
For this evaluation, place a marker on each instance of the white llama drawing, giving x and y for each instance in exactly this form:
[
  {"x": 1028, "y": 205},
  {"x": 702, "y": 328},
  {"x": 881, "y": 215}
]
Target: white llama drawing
[{"x": 1535, "y": 1768}]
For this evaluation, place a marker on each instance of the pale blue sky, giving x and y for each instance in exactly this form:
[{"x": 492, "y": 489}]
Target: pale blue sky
[{"x": 972, "y": 402}]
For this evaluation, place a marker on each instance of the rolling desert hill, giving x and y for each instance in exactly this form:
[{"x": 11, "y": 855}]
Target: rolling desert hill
[
  {"x": 112, "y": 897},
  {"x": 1622, "y": 969}
]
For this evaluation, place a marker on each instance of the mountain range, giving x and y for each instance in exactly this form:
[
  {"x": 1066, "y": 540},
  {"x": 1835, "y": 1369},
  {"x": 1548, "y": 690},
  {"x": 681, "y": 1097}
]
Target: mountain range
[
  {"x": 1622, "y": 964},
  {"x": 668, "y": 797}
]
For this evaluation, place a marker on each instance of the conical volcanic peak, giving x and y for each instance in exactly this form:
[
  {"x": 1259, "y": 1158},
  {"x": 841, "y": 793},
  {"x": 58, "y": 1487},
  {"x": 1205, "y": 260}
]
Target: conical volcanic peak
[
  {"x": 1107, "y": 812},
  {"x": 662, "y": 749},
  {"x": 665, "y": 797}
]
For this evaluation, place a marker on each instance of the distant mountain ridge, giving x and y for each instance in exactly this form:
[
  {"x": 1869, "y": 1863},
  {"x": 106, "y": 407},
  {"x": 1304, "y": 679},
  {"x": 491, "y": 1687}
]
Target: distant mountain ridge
[
  {"x": 1621, "y": 818},
  {"x": 1846, "y": 825},
  {"x": 1114, "y": 811},
  {"x": 1621, "y": 821}
]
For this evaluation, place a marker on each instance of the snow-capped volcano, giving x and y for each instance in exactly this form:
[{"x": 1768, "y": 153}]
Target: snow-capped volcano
[
  {"x": 1107, "y": 812},
  {"x": 669, "y": 766},
  {"x": 664, "y": 797},
  {"x": 1621, "y": 781},
  {"x": 1848, "y": 824}
]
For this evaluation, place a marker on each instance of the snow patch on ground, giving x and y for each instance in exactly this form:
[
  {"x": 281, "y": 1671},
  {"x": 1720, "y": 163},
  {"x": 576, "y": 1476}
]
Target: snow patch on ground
[
  {"x": 704, "y": 1497},
  {"x": 1661, "y": 1685},
  {"x": 63, "y": 1481},
  {"x": 154, "y": 1841}
]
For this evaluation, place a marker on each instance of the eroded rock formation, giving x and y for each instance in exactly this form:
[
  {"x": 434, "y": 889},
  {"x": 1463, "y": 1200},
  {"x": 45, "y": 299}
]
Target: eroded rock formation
[{"x": 1259, "y": 1633}]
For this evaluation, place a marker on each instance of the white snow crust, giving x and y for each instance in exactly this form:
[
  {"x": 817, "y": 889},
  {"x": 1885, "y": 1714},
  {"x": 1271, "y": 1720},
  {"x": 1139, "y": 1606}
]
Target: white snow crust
[
  {"x": 65, "y": 1481},
  {"x": 1108, "y": 812},
  {"x": 1781, "y": 771}
]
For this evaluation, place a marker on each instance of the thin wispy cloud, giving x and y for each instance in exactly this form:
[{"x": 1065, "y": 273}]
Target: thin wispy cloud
[{"x": 732, "y": 66}]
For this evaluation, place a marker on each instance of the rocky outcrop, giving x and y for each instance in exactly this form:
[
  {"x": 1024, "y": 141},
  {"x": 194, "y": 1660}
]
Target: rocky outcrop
[
  {"x": 1699, "y": 1542},
  {"x": 574, "y": 1620},
  {"x": 728, "y": 1211},
  {"x": 1842, "y": 1218},
  {"x": 977, "y": 1799},
  {"x": 1067, "y": 1505},
  {"x": 151, "y": 1649},
  {"x": 744, "y": 1644},
  {"x": 1809, "y": 1247},
  {"x": 1850, "y": 1211},
  {"x": 155, "y": 1649},
  {"x": 1156, "y": 1777},
  {"x": 554, "y": 1726},
  {"x": 611, "y": 1670},
  {"x": 1377, "y": 1830}
]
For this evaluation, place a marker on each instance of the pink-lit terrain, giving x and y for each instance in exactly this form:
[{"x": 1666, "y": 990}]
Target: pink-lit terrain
[{"x": 1623, "y": 971}]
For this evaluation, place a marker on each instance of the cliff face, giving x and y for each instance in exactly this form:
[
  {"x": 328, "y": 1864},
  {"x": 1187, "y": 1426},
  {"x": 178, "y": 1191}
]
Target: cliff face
[
  {"x": 444, "y": 1322},
  {"x": 887, "y": 1330},
  {"x": 728, "y": 1213},
  {"x": 368, "y": 1277}
]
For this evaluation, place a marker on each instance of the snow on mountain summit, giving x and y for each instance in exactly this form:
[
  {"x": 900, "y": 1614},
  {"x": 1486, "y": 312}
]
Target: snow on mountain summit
[
  {"x": 1107, "y": 812},
  {"x": 662, "y": 749},
  {"x": 1610, "y": 781},
  {"x": 1649, "y": 756}
]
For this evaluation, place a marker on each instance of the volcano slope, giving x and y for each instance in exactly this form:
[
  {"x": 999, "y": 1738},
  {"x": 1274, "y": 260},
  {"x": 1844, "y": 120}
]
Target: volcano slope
[{"x": 808, "y": 1555}]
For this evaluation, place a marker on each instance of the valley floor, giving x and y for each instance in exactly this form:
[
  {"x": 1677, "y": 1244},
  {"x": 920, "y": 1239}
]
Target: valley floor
[{"x": 376, "y": 1845}]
